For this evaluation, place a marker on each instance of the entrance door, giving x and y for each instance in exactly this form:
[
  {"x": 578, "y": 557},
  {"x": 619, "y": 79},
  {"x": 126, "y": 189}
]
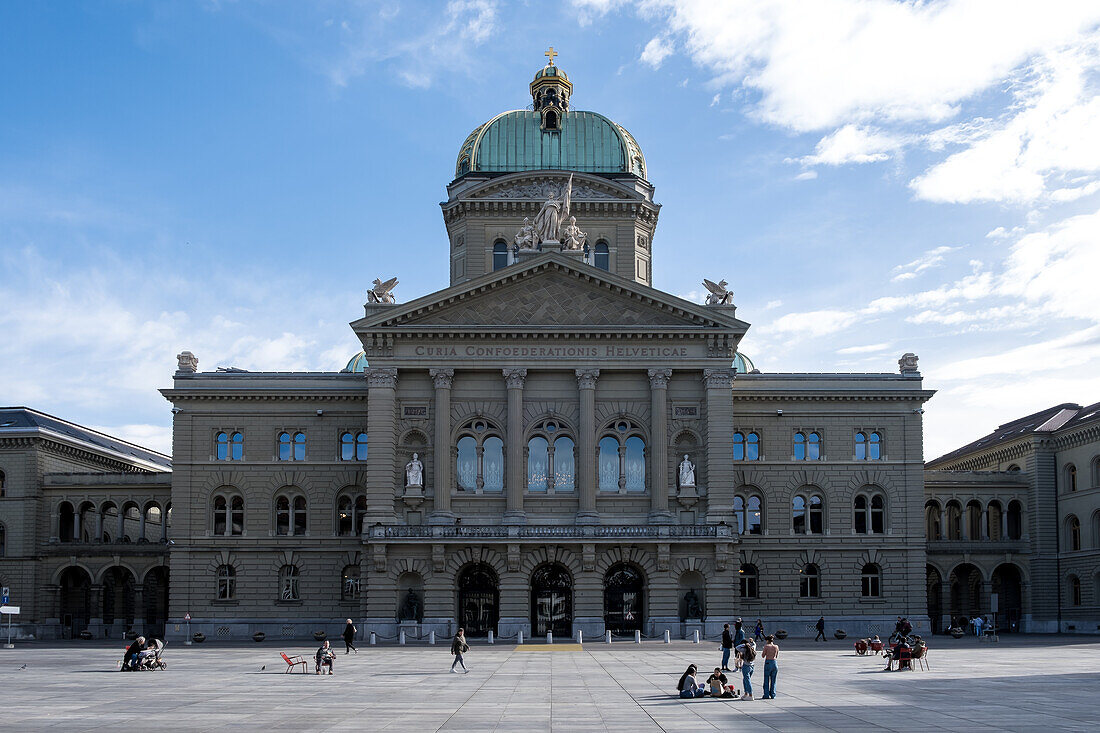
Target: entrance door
[
  {"x": 478, "y": 600},
  {"x": 623, "y": 599},
  {"x": 552, "y": 601}
]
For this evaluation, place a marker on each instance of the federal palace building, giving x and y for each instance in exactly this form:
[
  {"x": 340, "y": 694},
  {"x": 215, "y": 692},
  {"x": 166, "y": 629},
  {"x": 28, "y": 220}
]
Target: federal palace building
[{"x": 548, "y": 444}]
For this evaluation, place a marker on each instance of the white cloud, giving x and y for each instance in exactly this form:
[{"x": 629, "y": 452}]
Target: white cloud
[
  {"x": 812, "y": 323},
  {"x": 931, "y": 259},
  {"x": 853, "y": 144},
  {"x": 867, "y": 349},
  {"x": 806, "y": 176},
  {"x": 715, "y": 99},
  {"x": 656, "y": 51}
]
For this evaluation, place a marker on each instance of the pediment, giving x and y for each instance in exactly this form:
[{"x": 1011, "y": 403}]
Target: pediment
[
  {"x": 537, "y": 187},
  {"x": 551, "y": 293}
]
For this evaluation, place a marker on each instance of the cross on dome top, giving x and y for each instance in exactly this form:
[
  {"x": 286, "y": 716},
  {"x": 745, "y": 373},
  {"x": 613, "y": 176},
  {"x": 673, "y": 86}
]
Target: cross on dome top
[{"x": 550, "y": 55}]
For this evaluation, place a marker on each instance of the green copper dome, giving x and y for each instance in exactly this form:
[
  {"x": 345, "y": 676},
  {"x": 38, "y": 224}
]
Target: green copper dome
[{"x": 743, "y": 364}]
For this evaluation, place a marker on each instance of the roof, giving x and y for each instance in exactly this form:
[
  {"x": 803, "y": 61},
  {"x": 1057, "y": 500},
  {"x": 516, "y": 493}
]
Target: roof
[
  {"x": 24, "y": 421},
  {"x": 515, "y": 141},
  {"x": 1045, "y": 421}
]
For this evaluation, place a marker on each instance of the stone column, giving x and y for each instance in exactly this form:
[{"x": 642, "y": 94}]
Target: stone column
[
  {"x": 141, "y": 527},
  {"x": 586, "y": 447},
  {"x": 121, "y": 524},
  {"x": 718, "y": 383},
  {"x": 441, "y": 512},
  {"x": 381, "y": 419},
  {"x": 98, "y": 526},
  {"x": 139, "y": 608},
  {"x": 76, "y": 526},
  {"x": 514, "y": 469},
  {"x": 658, "y": 472}
]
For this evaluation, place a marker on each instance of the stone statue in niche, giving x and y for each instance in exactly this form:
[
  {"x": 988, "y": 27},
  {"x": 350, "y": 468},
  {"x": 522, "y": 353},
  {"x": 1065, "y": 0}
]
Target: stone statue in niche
[
  {"x": 411, "y": 609},
  {"x": 571, "y": 235},
  {"x": 693, "y": 607},
  {"x": 525, "y": 237},
  {"x": 687, "y": 472},
  {"x": 414, "y": 472}
]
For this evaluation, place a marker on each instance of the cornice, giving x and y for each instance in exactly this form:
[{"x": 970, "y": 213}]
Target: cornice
[
  {"x": 872, "y": 394},
  {"x": 254, "y": 395},
  {"x": 44, "y": 443}
]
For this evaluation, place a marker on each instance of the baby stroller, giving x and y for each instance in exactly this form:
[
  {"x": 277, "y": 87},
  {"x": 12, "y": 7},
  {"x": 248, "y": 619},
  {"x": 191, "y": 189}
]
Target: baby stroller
[{"x": 150, "y": 659}]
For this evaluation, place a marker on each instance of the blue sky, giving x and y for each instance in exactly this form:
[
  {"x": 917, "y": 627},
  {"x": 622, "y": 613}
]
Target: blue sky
[{"x": 871, "y": 178}]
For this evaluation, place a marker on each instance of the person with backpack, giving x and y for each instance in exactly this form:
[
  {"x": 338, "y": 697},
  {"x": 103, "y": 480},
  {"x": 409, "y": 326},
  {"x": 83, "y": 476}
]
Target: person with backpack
[
  {"x": 746, "y": 655},
  {"x": 458, "y": 648}
]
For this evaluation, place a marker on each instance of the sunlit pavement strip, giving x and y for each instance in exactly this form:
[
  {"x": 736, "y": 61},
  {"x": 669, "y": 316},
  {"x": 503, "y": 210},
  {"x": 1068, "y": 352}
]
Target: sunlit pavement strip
[{"x": 1022, "y": 684}]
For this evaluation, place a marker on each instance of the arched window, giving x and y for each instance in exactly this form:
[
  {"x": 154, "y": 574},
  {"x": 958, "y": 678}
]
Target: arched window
[
  {"x": 861, "y": 446},
  {"x": 3, "y": 484},
  {"x": 874, "y": 447},
  {"x": 798, "y": 515},
  {"x": 954, "y": 520},
  {"x": 1096, "y": 533},
  {"x": 603, "y": 255},
  {"x": 479, "y": 464},
  {"x": 622, "y": 459},
  {"x": 932, "y": 521},
  {"x": 229, "y": 446},
  {"x": 871, "y": 586},
  {"x": 973, "y": 520},
  {"x": 349, "y": 583},
  {"x": 500, "y": 255},
  {"x": 227, "y": 582},
  {"x": 807, "y": 446},
  {"x": 66, "y": 522},
  {"x": 353, "y": 446},
  {"x": 993, "y": 518},
  {"x": 292, "y": 446},
  {"x": 1073, "y": 533},
  {"x": 808, "y": 514},
  {"x": 754, "y": 515},
  {"x": 749, "y": 580},
  {"x": 288, "y": 583},
  {"x": 746, "y": 447},
  {"x": 564, "y": 463},
  {"x": 1015, "y": 520},
  {"x": 1071, "y": 477},
  {"x": 1013, "y": 468},
  {"x": 538, "y": 463},
  {"x": 349, "y": 514},
  {"x": 870, "y": 514},
  {"x": 290, "y": 515},
  {"x": 800, "y": 446},
  {"x": 1095, "y": 471},
  {"x": 809, "y": 581},
  {"x": 1074, "y": 590},
  {"x": 228, "y": 519}
]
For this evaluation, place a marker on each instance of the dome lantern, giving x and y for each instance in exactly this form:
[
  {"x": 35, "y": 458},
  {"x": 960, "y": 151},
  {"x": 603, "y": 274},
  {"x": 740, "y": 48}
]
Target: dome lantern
[{"x": 550, "y": 91}]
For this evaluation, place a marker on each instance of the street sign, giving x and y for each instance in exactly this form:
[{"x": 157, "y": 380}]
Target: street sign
[
  {"x": 13, "y": 610},
  {"x": 187, "y": 616},
  {"x": 4, "y": 599}
]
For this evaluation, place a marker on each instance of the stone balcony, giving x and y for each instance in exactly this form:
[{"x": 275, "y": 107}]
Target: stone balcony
[
  {"x": 977, "y": 547},
  {"x": 542, "y": 533}
]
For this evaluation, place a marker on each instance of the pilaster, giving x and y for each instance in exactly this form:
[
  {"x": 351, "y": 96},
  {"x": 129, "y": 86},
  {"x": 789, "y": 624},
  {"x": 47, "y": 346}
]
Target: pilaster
[
  {"x": 586, "y": 444},
  {"x": 513, "y": 477},
  {"x": 441, "y": 513},
  {"x": 719, "y": 441},
  {"x": 381, "y": 419},
  {"x": 658, "y": 471}
]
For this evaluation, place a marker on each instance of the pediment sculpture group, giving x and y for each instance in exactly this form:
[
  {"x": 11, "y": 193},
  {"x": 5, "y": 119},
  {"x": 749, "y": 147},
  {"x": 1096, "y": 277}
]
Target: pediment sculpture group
[{"x": 553, "y": 225}]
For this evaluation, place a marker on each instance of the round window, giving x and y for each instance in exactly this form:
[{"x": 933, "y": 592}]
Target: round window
[
  {"x": 623, "y": 427},
  {"x": 551, "y": 427}
]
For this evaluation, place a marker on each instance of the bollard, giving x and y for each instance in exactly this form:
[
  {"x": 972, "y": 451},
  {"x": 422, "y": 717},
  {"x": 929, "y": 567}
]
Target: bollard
[
  {"x": 401, "y": 638},
  {"x": 609, "y": 636},
  {"x": 520, "y": 641},
  {"x": 637, "y": 636},
  {"x": 549, "y": 637},
  {"x": 491, "y": 636},
  {"x": 668, "y": 638},
  {"x": 580, "y": 636},
  {"x": 373, "y": 641},
  {"x": 431, "y": 637},
  {"x": 695, "y": 636}
]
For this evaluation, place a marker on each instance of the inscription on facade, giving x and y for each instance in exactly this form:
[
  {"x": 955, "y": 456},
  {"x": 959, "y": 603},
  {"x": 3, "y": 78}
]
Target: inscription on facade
[
  {"x": 414, "y": 411},
  {"x": 685, "y": 412},
  {"x": 551, "y": 351}
]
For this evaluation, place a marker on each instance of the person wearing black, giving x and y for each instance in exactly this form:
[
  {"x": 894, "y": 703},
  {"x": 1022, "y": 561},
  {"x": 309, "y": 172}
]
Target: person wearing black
[
  {"x": 349, "y": 638},
  {"x": 129, "y": 661},
  {"x": 820, "y": 626},
  {"x": 325, "y": 657},
  {"x": 458, "y": 648},
  {"x": 738, "y": 633},
  {"x": 727, "y": 648},
  {"x": 718, "y": 685}
]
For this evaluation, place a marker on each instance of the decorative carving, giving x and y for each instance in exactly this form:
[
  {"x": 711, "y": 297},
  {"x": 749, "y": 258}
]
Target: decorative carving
[
  {"x": 439, "y": 558},
  {"x": 571, "y": 235},
  {"x": 382, "y": 377},
  {"x": 514, "y": 558},
  {"x": 186, "y": 362},
  {"x": 525, "y": 237},
  {"x": 443, "y": 378},
  {"x": 719, "y": 295},
  {"x": 382, "y": 292},
  {"x": 658, "y": 378},
  {"x": 718, "y": 378},
  {"x": 379, "y": 557},
  {"x": 663, "y": 556},
  {"x": 414, "y": 472},
  {"x": 687, "y": 473},
  {"x": 586, "y": 378},
  {"x": 588, "y": 556},
  {"x": 514, "y": 378},
  {"x": 541, "y": 191},
  {"x": 907, "y": 364}
]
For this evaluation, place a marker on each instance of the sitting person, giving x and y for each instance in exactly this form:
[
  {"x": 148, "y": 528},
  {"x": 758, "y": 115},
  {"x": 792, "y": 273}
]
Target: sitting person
[
  {"x": 688, "y": 687},
  {"x": 129, "y": 660},
  {"x": 148, "y": 655},
  {"x": 901, "y": 652},
  {"x": 717, "y": 685},
  {"x": 325, "y": 656}
]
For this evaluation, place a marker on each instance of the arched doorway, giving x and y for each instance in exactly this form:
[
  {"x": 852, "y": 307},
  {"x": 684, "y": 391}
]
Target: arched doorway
[
  {"x": 623, "y": 599},
  {"x": 118, "y": 600},
  {"x": 1008, "y": 585},
  {"x": 478, "y": 600},
  {"x": 75, "y": 601},
  {"x": 934, "y": 584},
  {"x": 966, "y": 592},
  {"x": 552, "y": 601},
  {"x": 155, "y": 596}
]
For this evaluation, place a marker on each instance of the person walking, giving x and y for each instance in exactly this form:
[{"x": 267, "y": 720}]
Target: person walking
[
  {"x": 727, "y": 647},
  {"x": 820, "y": 625},
  {"x": 349, "y": 638},
  {"x": 747, "y": 654},
  {"x": 458, "y": 648},
  {"x": 771, "y": 666},
  {"x": 758, "y": 632}
]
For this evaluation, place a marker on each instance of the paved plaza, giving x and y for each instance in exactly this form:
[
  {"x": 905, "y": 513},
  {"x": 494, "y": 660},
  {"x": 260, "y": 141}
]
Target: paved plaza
[{"x": 1023, "y": 684}]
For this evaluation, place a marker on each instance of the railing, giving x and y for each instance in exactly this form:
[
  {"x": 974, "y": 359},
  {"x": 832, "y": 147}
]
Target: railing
[{"x": 550, "y": 531}]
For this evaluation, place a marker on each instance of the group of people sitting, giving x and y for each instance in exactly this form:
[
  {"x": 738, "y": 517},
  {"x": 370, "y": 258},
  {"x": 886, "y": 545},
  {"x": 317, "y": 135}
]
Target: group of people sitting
[
  {"x": 141, "y": 655},
  {"x": 717, "y": 685},
  {"x": 903, "y": 652}
]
